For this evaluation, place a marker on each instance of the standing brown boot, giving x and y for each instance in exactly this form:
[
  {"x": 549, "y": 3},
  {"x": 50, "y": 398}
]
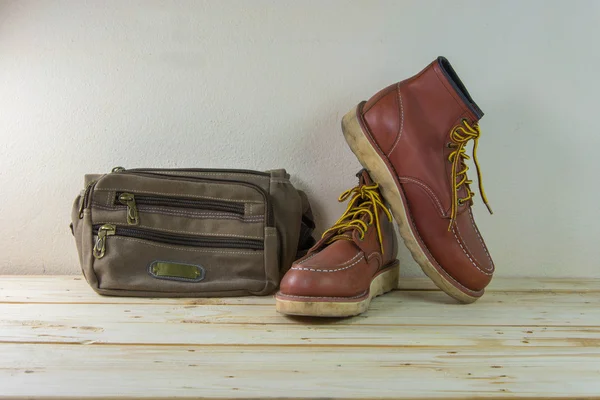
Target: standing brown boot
[
  {"x": 412, "y": 137},
  {"x": 354, "y": 261}
]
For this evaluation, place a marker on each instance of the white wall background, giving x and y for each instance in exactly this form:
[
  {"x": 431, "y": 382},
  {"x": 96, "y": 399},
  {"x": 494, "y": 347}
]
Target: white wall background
[{"x": 85, "y": 86}]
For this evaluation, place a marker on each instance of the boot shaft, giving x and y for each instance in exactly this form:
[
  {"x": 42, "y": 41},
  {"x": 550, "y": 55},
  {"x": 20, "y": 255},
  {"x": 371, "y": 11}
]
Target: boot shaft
[
  {"x": 411, "y": 122},
  {"x": 434, "y": 101}
]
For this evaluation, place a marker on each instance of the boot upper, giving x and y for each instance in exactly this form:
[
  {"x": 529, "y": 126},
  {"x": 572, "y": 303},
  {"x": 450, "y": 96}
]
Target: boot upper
[
  {"x": 422, "y": 126},
  {"x": 343, "y": 262}
]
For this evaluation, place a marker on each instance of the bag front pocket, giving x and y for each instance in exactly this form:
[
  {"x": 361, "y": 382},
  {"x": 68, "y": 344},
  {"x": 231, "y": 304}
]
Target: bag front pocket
[
  {"x": 102, "y": 232},
  {"x": 153, "y": 203},
  {"x": 146, "y": 262},
  {"x": 179, "y": 176}
]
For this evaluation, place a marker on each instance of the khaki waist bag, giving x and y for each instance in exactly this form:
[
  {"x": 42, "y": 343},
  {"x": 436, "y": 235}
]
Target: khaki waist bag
[{"x": 189, "y": 232}]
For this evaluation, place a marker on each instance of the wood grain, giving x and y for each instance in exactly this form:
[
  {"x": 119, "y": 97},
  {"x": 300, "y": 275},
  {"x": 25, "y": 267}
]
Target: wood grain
[
  {"x": 263, "y": 372},
  {"x": 73, "y": 289},
  {"x": 58, "y": 339}
]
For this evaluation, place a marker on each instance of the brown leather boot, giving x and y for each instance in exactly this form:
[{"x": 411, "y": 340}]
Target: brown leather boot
[
  {"x": 354, "y": 261},
  {"x": 412, "y": 137}
]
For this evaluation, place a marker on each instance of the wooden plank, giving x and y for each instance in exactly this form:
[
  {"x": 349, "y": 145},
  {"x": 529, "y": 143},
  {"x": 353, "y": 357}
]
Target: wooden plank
[
  {"x": 68, "y": 371},
  {"x": 69, "y": 331},
  {"x": 74, "y": 289},
  {"x": 398, "y": 308}
]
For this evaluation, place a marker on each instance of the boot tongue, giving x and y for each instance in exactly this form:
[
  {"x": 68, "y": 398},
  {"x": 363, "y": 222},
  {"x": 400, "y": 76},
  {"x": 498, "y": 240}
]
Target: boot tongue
[{"x": 364, "y": 178}]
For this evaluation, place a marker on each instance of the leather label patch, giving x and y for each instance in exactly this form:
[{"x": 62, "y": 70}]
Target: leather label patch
[{"x": 175, "y": 271}]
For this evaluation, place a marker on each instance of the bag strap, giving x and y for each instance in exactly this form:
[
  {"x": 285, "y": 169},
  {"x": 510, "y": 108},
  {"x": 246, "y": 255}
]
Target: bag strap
[{"x": 307, "y": 227}]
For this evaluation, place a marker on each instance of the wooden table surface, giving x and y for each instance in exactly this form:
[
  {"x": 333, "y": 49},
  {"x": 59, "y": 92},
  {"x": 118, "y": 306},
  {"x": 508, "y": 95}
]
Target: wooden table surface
[{"x": 524, "y": 338}]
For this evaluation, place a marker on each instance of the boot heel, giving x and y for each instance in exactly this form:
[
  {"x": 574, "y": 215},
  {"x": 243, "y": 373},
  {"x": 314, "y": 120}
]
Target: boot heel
[
  {"x": 387, "y": 280},
  {"x": 354, "y": 136},
  {"x": 366, "y": 154}
]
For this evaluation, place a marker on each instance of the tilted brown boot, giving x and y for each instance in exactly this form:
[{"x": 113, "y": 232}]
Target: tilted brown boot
[
  {"x": 354, "y": 261},
  {"x": 412, "y": 137}
]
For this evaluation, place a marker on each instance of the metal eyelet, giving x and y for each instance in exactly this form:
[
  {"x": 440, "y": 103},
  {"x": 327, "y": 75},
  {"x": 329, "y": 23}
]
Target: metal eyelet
[{"x": 449, "y": 145}]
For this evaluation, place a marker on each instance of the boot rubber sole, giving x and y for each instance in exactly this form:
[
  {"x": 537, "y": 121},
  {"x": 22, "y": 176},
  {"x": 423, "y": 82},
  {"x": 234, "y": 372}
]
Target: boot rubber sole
[
  {"x": 370, "y": 159},
  {"x": 382, "y": 283}
]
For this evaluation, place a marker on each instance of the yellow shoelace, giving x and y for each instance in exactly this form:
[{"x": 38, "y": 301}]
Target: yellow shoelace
[
  {"x": 351, "y": 219},
  {"x": 460, "y": 135}
]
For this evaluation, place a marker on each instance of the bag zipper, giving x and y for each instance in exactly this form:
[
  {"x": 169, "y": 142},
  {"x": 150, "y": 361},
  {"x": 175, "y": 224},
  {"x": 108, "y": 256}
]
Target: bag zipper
[
  {"x": 152, "y": 172},
  {"x": 200, "y": 170},
  {"x": 103, "y": 231},
  {"x": 86, "y": 198},
  {"x": 132, "y": 201}
]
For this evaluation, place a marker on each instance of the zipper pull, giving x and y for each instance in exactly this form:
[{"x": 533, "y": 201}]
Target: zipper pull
[
  {"x": 117, "y": 169},
  {"x": 100, "y": 246},
  {"x": 128, "y": 200}
]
